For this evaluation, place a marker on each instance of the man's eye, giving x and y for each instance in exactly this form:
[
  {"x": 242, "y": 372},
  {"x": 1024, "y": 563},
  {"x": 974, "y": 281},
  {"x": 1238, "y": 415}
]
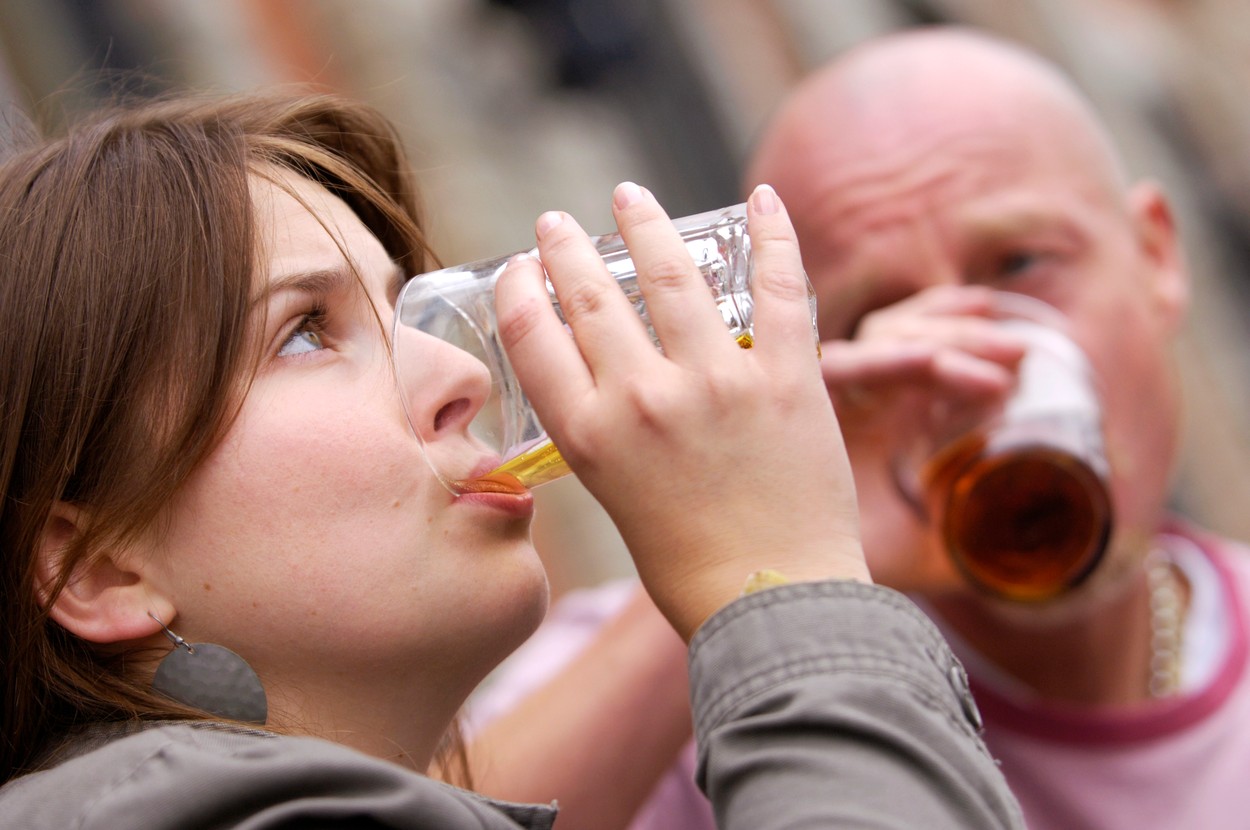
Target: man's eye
[
  {"x": 306, "y": 338},
  {"x": 1015, "y": 264}
]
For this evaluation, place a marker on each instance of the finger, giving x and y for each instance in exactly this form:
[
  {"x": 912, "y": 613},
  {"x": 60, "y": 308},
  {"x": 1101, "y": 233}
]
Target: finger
[
  {"x": 870, "y": 375},
  {"x": 968, "y": 377},
  {"x": 950, "y": 300},
  {"x": 883, "y": 365},
  {"x": 546, "y": 360},
  {"x": 607, "y": 330},
  {"x": 679, "y": 305},
  {"x": 779, "y": 286},
  {"x": 988, "y": 342},
  {"x": 875, "y": 365},
  {"x": 977, "y": 336}
]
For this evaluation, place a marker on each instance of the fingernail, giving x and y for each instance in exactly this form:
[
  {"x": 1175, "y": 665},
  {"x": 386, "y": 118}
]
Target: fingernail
[
  {"x": 627, "y": 193},
  {"x": 765, "y": 200},
  {"x": 548, "y": 221}
]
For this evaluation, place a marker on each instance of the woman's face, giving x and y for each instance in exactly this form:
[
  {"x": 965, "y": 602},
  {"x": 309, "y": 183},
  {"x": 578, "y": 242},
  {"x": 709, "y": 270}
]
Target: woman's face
[{"x": 315, "y": 540}]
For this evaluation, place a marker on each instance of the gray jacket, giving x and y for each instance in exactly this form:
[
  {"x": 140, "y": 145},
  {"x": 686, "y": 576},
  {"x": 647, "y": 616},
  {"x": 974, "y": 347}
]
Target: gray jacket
[{"x": 826, "y": 704}]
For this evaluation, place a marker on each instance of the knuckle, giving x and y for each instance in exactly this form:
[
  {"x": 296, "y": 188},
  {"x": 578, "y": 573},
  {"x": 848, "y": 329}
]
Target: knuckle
[
  {"x": 719, "y": 390},
  {"x": 786, "y": 283},
  {"x": 651, "y": 404},
  {"x": 670, "y": 273},
  {"x": 576, "y": 445},
  {"x": 583, "y": 299},
  {"x": 772, "y": 233},
  {"x": 520, "y": 321}
]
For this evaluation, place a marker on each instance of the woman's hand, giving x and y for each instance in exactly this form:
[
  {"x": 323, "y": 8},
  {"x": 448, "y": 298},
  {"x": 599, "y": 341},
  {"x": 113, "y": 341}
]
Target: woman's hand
[{"x": 713, "y": 461}]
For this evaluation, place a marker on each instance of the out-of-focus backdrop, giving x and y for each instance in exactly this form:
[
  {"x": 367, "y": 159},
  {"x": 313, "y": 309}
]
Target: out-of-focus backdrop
[{"x": 512, "y": 107}]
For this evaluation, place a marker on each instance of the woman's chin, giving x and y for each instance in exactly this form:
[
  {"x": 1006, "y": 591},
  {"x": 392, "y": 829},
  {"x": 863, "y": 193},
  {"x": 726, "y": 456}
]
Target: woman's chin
[
  {"x": 517, "y": 613},
  {"x": 534, "y": 609}
]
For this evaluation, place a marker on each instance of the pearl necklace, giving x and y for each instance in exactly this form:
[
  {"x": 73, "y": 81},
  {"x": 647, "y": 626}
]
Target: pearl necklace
[{"x": 1166, "y": 625}]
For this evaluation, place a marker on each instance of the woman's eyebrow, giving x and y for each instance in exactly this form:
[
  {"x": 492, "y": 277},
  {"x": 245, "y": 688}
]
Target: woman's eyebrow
[{"x": 321, "y": 282}]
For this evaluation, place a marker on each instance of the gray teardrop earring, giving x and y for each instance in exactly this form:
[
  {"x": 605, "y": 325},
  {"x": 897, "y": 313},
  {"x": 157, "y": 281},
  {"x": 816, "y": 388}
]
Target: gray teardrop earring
[{"x": 212, "y": 678}]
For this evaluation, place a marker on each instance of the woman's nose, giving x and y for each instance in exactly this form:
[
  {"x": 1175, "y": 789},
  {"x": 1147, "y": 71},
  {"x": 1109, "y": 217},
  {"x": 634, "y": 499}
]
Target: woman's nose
[{"x": 443, "y": 387}]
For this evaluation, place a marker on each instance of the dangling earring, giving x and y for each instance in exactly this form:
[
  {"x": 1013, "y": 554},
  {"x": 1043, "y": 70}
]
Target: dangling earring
[{"x": 212, "y": 678}]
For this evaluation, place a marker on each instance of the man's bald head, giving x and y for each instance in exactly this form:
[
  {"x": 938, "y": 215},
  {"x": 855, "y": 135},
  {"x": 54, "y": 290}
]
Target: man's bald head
[{"x": 905, "y": 95}]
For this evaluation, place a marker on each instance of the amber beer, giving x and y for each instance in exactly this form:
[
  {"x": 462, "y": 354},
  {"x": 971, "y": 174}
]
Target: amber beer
[
  {"x": 531, "y": 468},
  {"x": 1020, "y": 500},
  {"x": 1018, "y": 509}
]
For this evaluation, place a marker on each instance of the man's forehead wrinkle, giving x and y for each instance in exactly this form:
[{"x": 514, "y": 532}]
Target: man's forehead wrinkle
[{"x": 910, "y": 181}]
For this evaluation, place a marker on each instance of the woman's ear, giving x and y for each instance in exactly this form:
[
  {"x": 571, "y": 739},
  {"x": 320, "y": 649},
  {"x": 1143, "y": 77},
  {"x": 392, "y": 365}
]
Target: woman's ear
[{"x": 106, "y": 599}]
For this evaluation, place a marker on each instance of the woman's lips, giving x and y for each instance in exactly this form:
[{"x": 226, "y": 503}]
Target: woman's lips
[
  {"x": 519, "y": 505},
  {"x": 500, "y": 491}
]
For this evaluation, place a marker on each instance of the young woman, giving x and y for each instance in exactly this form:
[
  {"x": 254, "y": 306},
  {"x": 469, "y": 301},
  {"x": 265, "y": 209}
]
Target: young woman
[{"x": 206, "y": 462}]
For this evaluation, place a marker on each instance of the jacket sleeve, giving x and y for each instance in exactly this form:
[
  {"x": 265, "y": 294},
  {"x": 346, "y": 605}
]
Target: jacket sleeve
[{"x": 838, "y": 704}]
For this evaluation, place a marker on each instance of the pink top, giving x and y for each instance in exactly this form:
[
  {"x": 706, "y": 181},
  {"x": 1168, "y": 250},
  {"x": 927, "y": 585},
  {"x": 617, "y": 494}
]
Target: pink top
[{"x": 1180, "y": 763}]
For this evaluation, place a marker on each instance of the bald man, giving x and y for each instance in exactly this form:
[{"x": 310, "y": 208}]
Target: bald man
[{"x": 924, "y": 171}]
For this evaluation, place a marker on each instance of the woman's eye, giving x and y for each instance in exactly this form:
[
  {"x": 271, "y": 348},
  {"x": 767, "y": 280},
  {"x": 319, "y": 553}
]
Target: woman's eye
[{"x": 306, "y": 338}]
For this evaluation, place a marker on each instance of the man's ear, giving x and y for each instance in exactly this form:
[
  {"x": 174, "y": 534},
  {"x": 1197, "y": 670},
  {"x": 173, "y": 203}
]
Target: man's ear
[
  {"x": 1160, "y": 245},
  {"x": 106, "y": 599}
]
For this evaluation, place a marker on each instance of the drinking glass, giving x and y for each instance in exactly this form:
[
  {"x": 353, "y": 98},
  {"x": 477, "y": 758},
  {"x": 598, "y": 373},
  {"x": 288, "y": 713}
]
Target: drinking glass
[
  {"x": 1018, "y": 494},
  {"x": 457, "y": 305}
]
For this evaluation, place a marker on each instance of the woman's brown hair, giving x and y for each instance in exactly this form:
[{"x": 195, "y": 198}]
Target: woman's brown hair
[{"x": 127, "y": 254}]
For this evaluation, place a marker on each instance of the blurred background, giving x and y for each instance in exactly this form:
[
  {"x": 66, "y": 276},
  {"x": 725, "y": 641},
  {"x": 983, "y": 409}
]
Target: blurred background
[{"x": 513, "y": 107}]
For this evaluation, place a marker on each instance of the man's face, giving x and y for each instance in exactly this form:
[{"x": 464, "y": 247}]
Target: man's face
[{"x": 946, "y": 199}]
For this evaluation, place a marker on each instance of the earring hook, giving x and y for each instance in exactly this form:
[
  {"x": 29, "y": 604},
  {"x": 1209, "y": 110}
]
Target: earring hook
[{"x": 173, "y": 638}]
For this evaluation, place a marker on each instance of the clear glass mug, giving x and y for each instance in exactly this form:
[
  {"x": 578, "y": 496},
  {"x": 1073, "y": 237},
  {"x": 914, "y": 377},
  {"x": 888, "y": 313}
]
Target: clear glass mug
[
  {"x": 1019, "y": 496},
  {"x": 457, "y": 305}
]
